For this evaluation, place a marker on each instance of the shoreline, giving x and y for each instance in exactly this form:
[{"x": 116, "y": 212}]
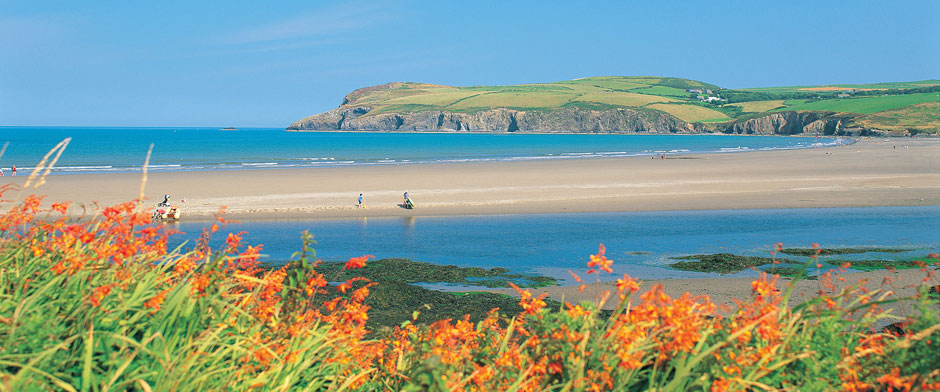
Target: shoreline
[{"x": 865, "y": 174}]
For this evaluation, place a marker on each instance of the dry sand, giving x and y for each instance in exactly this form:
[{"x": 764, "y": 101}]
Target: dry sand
[{"x": 869, "y": 173}]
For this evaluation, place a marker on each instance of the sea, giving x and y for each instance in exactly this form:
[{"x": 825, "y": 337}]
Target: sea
[
  {"x": 641, "y": 243},
  {"x": 116, "y": 150}
]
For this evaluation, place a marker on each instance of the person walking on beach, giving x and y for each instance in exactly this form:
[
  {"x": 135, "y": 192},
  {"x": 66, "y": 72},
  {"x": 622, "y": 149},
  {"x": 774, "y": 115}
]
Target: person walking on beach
[
  {"x": 13, "y": 169},
  {"x": 360, "y": 202}
]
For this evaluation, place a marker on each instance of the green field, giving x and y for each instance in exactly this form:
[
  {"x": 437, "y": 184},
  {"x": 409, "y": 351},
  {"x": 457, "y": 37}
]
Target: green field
[
  {"x": 862, "y": 104},
  {"x": 882, "y": 105},
  {"x": 924, "y": 116},
  {"x": 690, "y": 113},
  {"x": 758, "y": 106},
  {"x": 888, "y": 85}
]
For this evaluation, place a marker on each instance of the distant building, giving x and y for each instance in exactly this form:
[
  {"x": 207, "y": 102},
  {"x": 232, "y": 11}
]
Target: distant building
[
  {"x": 708, "y": 91},
  {"x": 695, "y": 91},
  {"x": 844, "y": 95},
  {"x": 714, "y": 99}
]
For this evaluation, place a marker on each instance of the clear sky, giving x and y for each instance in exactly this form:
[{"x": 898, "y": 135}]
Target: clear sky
[{"x": 267, "y": 64}]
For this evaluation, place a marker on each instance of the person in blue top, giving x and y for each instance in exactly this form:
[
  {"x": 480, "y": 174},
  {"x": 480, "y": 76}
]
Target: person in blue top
[
  {"x": 408, "y": 203},
  {"x": 360, "y": 202}
]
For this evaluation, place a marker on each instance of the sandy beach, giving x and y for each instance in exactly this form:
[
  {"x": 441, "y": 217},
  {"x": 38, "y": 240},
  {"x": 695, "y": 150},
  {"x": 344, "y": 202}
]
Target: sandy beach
[{"x": 869, "y": 173}]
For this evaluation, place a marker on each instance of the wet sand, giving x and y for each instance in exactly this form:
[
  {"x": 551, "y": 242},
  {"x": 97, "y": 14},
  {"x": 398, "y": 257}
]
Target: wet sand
[{"x": 869, "y": 173}]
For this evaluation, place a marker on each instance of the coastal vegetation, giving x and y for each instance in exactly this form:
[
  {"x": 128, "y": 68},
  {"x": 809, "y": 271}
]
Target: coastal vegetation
[
  {"x": 863, "y": 108},
  {"x": 104, "y": 304}
]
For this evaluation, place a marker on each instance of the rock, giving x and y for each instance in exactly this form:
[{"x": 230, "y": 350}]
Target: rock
[{"x": 798, "y": 123}]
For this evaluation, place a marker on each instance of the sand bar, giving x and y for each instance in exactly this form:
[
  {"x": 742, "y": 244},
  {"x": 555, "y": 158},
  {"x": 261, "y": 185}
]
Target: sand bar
[
  {"x": 869, "y": 173},
  {"x": 722, "y": 291}
]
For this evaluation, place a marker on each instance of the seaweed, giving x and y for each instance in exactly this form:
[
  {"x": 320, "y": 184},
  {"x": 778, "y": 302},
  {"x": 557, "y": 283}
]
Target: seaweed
[
  {"x": 878, "y": 264},
  {"x": 839, "y": 251},
  {"x": 785, "y": 270},
  {"x": 410, "y": 271},
  {"x": 722, "y": 263}
]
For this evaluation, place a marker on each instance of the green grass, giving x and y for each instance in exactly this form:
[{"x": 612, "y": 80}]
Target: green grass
[
  {"x": 662, "y": 91},
  {"x": 886, "y": 85},
  {"x": 690, "y": 112},
  {"x": 758, "y": 106},
  {"x": 514, "y": 99},
  {"x": 861, "y": 104},
  {"x": 622, "y": 98},
  {"x": 923, "y": 116}
]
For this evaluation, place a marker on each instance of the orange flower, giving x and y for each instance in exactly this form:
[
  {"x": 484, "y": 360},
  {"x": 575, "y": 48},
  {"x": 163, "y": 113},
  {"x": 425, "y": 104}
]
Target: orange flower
[
  {"x": 60, "y": 207},
  {"x": 155, "y": 302},
  {"x": 99, "y": 293},
  {"x": 233, "y": 240},
  {"x": 627, "y": 283},
  {"x": 357, "y": 262},
  {"x": 600, "y": 261},
  {"x": 314, "y": 283}
]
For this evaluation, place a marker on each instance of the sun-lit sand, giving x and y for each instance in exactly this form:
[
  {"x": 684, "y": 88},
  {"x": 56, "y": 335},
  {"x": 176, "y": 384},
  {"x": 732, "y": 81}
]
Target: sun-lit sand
[{"x": 869, "y": 173}]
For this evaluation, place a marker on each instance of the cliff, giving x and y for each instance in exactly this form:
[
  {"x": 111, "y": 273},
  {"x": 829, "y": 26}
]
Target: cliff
[
  {"x": 565, "y": 120},
  {"x": 797, "y": 123}
]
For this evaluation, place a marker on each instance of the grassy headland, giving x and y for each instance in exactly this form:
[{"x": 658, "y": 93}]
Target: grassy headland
[{"x": 884, "y": 106}]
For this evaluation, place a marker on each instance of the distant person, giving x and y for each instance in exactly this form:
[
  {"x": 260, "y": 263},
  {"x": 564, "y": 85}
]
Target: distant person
[
  {"x": 1, "y": 172},
  {"x": 13, "y": 169},
  {"x": 166, "y": 200},
  {"x": 408, "y": 202},
  {"x": 360, "y": 202}
]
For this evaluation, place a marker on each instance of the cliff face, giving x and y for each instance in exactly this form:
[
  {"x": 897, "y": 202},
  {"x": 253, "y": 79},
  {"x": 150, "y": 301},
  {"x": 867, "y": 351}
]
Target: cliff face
[
  {"x": 567, "y": 120},
  {"x": 797, "y": 123}
]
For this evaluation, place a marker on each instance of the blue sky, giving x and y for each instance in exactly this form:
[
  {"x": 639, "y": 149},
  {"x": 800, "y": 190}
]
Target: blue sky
[{"x": 266, "y": 64}]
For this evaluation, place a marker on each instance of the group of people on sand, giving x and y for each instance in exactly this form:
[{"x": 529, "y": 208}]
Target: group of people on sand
[
  {"x": 407, "y": 202},
  {"x": 12, "y": 171}
]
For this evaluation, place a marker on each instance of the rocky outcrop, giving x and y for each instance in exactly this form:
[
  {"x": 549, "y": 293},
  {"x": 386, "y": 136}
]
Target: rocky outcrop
[
  {"x": 797, "y": 123},
  {"x": 565, "y": 120}
]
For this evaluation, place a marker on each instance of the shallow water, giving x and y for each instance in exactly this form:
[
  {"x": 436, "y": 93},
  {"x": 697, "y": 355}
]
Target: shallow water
[
  {"x": 109, "y": 150},
  {"x": 640, "y": 243}
]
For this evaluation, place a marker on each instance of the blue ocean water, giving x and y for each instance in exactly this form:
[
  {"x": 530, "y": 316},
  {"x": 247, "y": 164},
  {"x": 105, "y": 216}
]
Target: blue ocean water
[
  {"x": 103, "y": 150},
  {"x": 640, "y": 243}
]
